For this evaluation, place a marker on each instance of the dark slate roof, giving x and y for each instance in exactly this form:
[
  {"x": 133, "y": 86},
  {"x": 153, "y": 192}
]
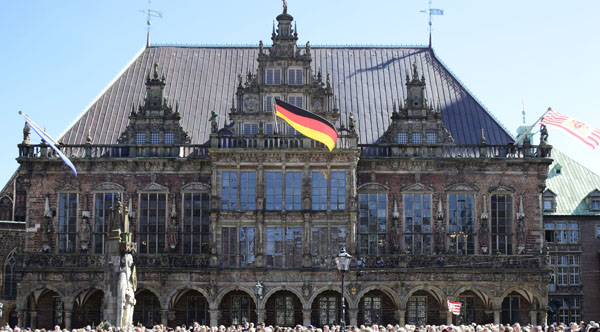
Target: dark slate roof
[
  {"x": 365, "y": 79},
  {"x": 572, "y": 183}
]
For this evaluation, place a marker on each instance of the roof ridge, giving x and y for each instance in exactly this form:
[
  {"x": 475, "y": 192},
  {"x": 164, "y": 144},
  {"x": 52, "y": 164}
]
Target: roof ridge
[{"x": 208, "y": 45}]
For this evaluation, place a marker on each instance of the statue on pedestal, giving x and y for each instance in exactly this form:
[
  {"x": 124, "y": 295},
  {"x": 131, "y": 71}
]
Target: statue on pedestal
[{"x": 126, "y": 292}]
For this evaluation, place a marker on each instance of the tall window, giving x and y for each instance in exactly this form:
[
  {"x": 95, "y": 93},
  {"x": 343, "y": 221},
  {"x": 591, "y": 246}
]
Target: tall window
[
  {"x": 501, "y": 224},
  {"x": 270, "y": 103},
  {"x": 566, "y": 269},
  {"x": 6, "y": 208},
  {"x": 319, "y": 191},
  {"x": 197, "y": 309},
  {"x": 416, "y": 310},
  {"x": 328, "y": 310},
  {"x": 510, "y": 310},
  {"x": 67, "y": 221},
  {"x": 273, "y": 76},
  {"x": 250, "y": 128},
  {"x": 293, "y": 190},
  {"x": 372, "y": 309},
  {"x": 338, "y": 190},
  {"x": 10, "y": 278},
  {"x": 154, "y": 138},
  {"x": 417, "y": 223},
  {"x": 284, "y": 247},
  {"x": 102, "y": 204},
  {"x": 460, "y": 230},
  {"x": 402, "y": 138},
  {"x": 431, "y": 138},
  {"x": 274, "y": 191},
  {"x": 326, "y": 244},
  {"x": 229, "y": 188},
  {"x": 196, "y": 223},
  {"x": 237, "y": 243},
  {"x": 152, "y": 223},
  {"x": 295, "y": 76},
  {"x": 240, "y": 309},
  {"x": 248, "y": 190},
  {"x": 372, "y": 224},
  {"x": 284, "y": 310}
]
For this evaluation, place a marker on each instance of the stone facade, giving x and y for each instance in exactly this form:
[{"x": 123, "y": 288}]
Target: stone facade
[{"x": 246, "y": 226}]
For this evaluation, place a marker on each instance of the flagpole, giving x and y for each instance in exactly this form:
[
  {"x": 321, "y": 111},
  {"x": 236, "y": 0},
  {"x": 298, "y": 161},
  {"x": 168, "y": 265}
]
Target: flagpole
[
  {"x": 38, "y": 128},
  {"x": 522, "y": 137},
  {"x": 275, "y": 131}
]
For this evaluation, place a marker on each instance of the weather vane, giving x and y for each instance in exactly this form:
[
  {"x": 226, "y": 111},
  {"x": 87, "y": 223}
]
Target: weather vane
[
  {"x": 150, "y": 13},
  {"x": 432, "y": 11}
]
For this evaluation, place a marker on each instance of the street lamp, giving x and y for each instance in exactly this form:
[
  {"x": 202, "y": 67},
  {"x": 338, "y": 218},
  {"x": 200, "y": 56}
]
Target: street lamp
[{"x": 343, "y": 264}]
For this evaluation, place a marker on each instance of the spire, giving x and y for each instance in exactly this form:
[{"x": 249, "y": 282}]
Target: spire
[{"x": 150, "y": 13}]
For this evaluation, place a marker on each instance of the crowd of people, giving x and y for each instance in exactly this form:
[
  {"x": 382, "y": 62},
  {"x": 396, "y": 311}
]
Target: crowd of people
[{"x": 250, "y": 327}]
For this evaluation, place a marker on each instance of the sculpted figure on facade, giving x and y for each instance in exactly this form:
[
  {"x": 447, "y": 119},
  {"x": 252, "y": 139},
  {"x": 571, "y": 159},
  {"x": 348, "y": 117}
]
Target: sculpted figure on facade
[
  {"x": 126, "y": 293},
  {"x": 84, "y": 234}
]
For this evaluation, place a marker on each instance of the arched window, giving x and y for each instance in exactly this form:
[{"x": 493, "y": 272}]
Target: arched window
[
  {"x": 10, "y": 281},
  {"x": 6, "y": 208},
  {"x": 20, "y": 200}
]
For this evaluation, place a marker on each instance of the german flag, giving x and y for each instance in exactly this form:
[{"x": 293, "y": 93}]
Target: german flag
[{"x": 307, "y": 123}]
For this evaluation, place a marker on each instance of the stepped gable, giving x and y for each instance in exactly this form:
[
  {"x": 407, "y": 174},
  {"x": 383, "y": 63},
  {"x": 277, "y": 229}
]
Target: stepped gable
[{"x": 365, "y": 81}]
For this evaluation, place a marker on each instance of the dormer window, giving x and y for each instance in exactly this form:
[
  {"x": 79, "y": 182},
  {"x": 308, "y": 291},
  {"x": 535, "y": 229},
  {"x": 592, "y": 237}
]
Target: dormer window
[
  {"x": 140, "y": 138},
  {"x": 431, "y": 138},
  {"x": 273, "y": 76},
  {"x": 549, "y": 201},
  {"x": 548, "y": 204},
  {"x": 295, "y": 76},
  {"x": 417, "y": 138},
  {"x": 402, "y": 138},
  {"x": 595, "y": 206},
  {"x": 594, "y": 199}
]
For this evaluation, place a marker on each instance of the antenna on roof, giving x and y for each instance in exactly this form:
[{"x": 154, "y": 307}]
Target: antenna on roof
[
  {"x": 150, "y": 13},
  {"x": 432, "y": 11}
]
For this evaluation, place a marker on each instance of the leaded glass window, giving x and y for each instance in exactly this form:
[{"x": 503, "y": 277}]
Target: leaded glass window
[
  {"x": 140, "y": 138},
  {"x": 273, "y": 76},
  {"x": 274, "y": 189},
  {"x": 248, "y": 190},
  {"x": 338, "y": 190},
  {"x": 295, "y": 76},
  {"x": 240, "y": 309},
  {"x": 229, "y": 188},
  {"x": 67, "y": 222},
  {"x": 328, "y": 310},
  {"x": 169, "y": 138},
  {"x": 152, "y": 223},
  {"x": 102, "y": 204},
  {"x": 284, "y": 310},
  {"x": 372, "y": 310},
  {"x": 326, "y": 244},
  {"x": 196, "y": 222},
  {"x": 417, "y": 223},
  {"x": 402, "y": 138},
  {"x": 501, "y": 219},
  {"x": 319, "y": 191},
  {"x": 372, "y": 224},
  {"x": 237, "y": 242},
  {"x": 460, "y": 229},
  {"x": 154, "y": 138},
  {"x": 293, "y": 190},
  {"x": 416, "y": 313}
]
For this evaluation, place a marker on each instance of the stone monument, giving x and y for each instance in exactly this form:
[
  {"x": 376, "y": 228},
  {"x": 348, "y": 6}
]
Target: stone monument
[{"x": 120, "y": 279}]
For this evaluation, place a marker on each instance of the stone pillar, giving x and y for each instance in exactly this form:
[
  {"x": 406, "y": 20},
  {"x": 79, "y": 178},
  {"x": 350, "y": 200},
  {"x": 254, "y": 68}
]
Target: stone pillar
[
  {"x": 353, "y": 317},
  {"x": 21, "y": 318},
  {"x": 260, "y": 315},
  {"x": 164, "y": 317},
  {"x": 214, "y": 317},
  {"x": 497, "y": 317},
  {"x": 533, "y": 317},
  {"x": 33, "y": 315},
  {"x": 68, "y": 314},
  {"x": 401, "y": 317},
  {"x": 306, "y": 317},
  {"x": 448, "y": 317},
  {"x": 543, "y": 317}
]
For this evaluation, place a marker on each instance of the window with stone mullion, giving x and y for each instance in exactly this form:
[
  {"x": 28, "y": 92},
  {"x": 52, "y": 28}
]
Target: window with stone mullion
[
  {"x": 338, "y": 190},
  {"x": 462, "y": 211},
  {"x": 372, "y": 310},
  {"x": 274, "y": 189},
  {"x": 229, "y": 246},
  {"x": 195, "y": 223},
  {"x": 417, "y": 223},
  {"x": 372, "y": 224},
  {"x": 229, "y": 189},
  {"x": 248, "y": 190},
  {"x": 67, "y": 222},
  {"x": 102, "y": 204},
  {"x": 152, "y": 223},
  {"x": 319, "y": 191},
  {"x": 501, "y": 218},
  {"x": 293, "y": 190},
  {"x": 284, "y": 310},
  {"x": 416, "y": 310}
]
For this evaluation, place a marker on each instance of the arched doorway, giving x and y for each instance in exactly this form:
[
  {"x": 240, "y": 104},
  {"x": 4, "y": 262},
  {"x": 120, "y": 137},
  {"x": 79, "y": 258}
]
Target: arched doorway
[
  {"x": 237, "y": 307},
  {"x": 45, "y": 312},
  {"x": 88, "y": 308},
  {"x": 283, "y": 308},
  {"x": 473, "y": 310},
  {"x": 326, "y": 309},
  {"x": 423, "y": 308},
  {"x": 376, "y": 307},
  {"x": 515, "y": 309},
  {"x": 147, "y": 309},
  {"x": 190, "y": 306}
]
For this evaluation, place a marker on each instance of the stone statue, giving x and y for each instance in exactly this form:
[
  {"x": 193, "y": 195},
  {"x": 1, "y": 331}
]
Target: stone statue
[
  {"x": 440, "y": 231},
  {"x": 84, "y": 234},
  {"x": 46, "y": 230},
  {"x": 213, "y": 122},
  {"x": 125, "y": 293},
  {"x": 308, "y": 48},
  {"x": 483, "y": 234},
  {"x": 352, "y": 123},
  {"x": 173, "y": 234},
  {"x": 260, "y": 47},
  {"x": 543, "y": 134}
]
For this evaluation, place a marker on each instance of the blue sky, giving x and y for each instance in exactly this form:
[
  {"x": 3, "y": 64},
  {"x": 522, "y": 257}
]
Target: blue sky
[{"x": 57, "y": 56}]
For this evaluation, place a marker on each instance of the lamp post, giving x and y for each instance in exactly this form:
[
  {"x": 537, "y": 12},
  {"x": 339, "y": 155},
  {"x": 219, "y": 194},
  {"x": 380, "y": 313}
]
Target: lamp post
[{"x": 343, "y": 264}]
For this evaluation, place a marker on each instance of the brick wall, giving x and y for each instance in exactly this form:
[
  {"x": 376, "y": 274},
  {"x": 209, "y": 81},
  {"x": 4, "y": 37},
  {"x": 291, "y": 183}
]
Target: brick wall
[{"x": 590, "y": 267}]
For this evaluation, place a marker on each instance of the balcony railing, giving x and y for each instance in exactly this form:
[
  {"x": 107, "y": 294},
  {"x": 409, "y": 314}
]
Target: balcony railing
[
  {"x": 452, "y": 151},
  {"x": 114, "y": 151},
  {"x": 450, "y": 262},
  {"x": 277, "y": 142}
]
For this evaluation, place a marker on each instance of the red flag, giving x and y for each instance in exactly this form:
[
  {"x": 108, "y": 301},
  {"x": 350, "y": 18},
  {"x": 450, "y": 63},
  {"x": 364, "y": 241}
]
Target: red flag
[
  {"x": 585, "y": 133},
  {"x": 454, "y": 307}
]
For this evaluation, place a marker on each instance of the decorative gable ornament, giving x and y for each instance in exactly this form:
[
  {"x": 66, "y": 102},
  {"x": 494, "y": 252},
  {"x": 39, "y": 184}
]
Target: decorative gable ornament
[
  {"x": 108, "y": 186},
  {"x": 153, "y": 186},
  {"x": 418, "y": 187}
]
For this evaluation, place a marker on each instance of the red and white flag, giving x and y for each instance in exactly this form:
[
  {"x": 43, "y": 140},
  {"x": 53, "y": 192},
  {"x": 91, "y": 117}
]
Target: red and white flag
[
  {"x": 454, "y": 307},
  {"x": 585, "y": 133}
]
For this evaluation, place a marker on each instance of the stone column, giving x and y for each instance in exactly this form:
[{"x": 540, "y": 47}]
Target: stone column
[
  {"x": 164, "y": 317},
  {"x": 497, "y": 317},
  {"x": 33, "y": 315},
  {"x": 543, "y": 317},
  {"x": 448, "y": 317},
  {"x": 306, "y": 317},
  {"x": 21, "y": 317},
  {"x": 68, "y": 314},
  {"x": 401, "y": 317},
  {"x": 260, "y": 315},
  {"x": 533, "y": 317},
  {"x": 214, "y": 317},
  {"x": 353, "y": 316}
]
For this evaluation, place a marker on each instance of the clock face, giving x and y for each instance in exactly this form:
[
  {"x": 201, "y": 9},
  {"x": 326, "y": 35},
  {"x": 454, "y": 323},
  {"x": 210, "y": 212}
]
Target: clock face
[{"x": 250, "y": 104}]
